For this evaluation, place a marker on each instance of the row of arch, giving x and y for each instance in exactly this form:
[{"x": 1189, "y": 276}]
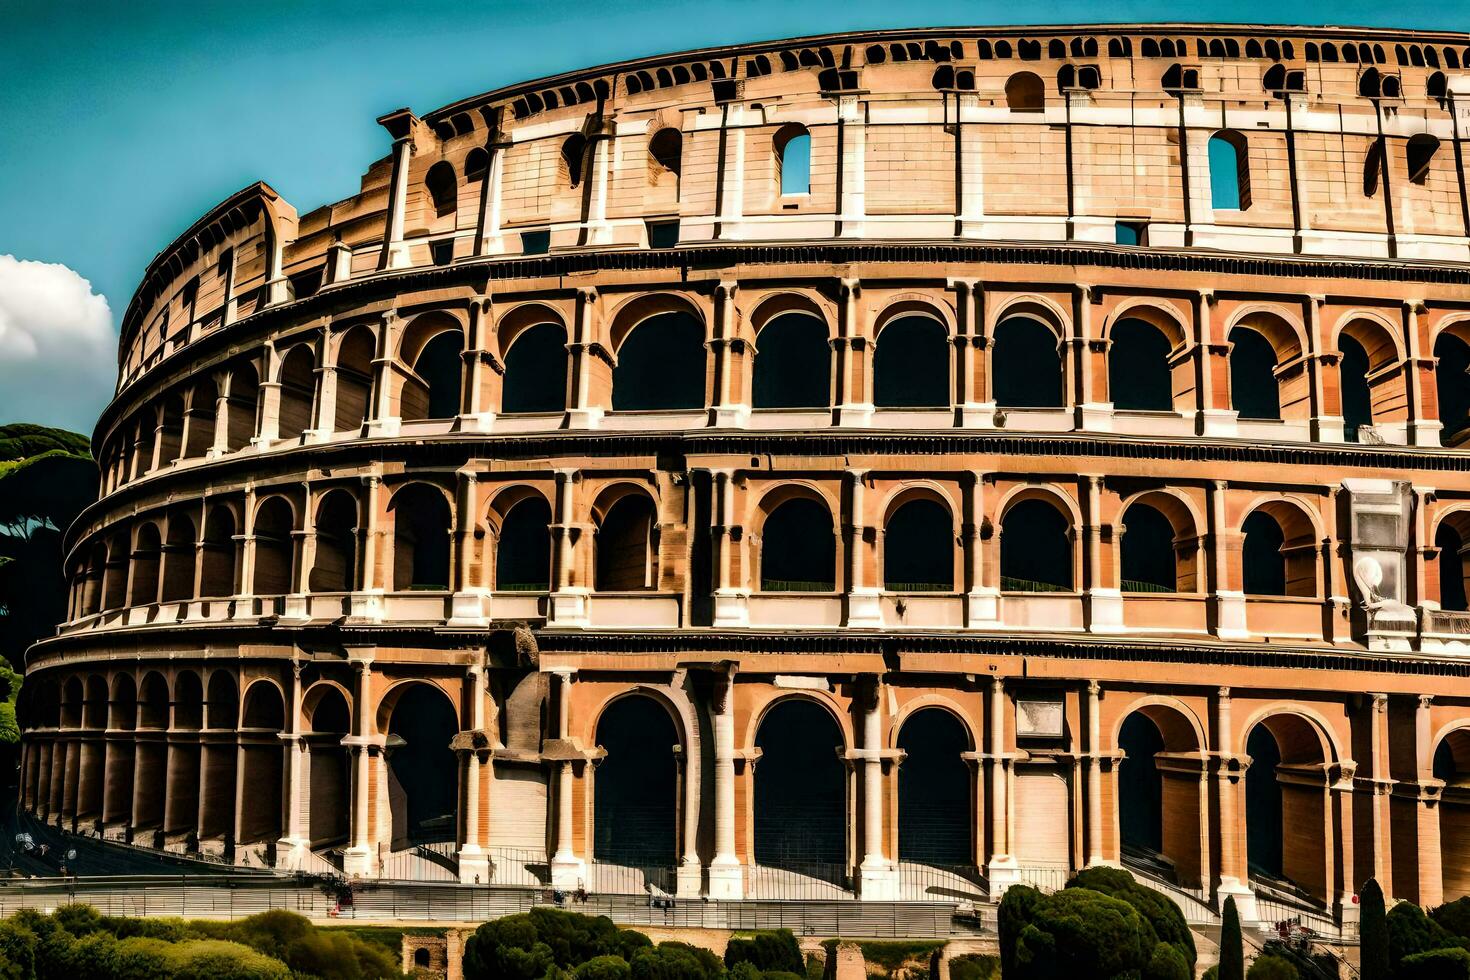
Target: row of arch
[{"x": 660, "y": 364}]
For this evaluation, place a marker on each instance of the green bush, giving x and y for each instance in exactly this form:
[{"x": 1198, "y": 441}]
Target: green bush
[
  {"x": 974, "y": 966},
  {"x": 1167, "y": 963},
  {"x": 215, "y": 959},
  {"x": 604, "y": 968},
  {"x": 1437, "y": 964},
  {"x": 1082, "y": 933},
  {"x": 1373, "y": 937},
  {"x": 1454, "y": 917},
  {"x": 676, "y": 961},
  {"x": 1410, "y": 931},
  {"x": 327, "y": 954},
  {"x": 528, "y": 945},
  {"x": 1158, "y": 910},
  {"x": 766, "y": 951},
  {"x": 18, "y": 948},
  {"x": 1232, "y": 952},
  {"x": 1017, "y": 908},
  {"x": 1269, "y": 967}
]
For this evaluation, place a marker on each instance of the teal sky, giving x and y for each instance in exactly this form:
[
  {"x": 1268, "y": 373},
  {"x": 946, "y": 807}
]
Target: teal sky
[{"x": 123, "y": 122}]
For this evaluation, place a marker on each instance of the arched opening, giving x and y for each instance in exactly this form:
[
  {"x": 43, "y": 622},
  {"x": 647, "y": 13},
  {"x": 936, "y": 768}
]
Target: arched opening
[
  {"x": 1452, "y": 765},
  {"x": 1419, "y": 155},
  {"x": 328, "y": 777},
  {"x": 1452, "y": 385},
  {"x": 911, "y": 364},
  {"x": 797, "y": 547},
  {"x": 1035, "y": 548},
  {"x": 150, "y": 766},
  {"x": 244, "y": 397},
  {"x": 95, "y": 573},
  {"x": 354, "y": 379},
  {"x": 660, "y": 365},
  {"x": 635, "y": 798},
  {"x": 1025, "y": 365},
  {"x": 625, "y": 546},
  {"x": 793, "y": 363},
  {"x": 119, "y": 754},
  {"x": 1373, "y": 390},
  {"x": 443, "y": 188},
  {"x": 1450, "y": 541},
  {"x": 181, "y": 816},
  {"x": 1230, "y": 175},
  {"x": 1286, "y": 790},
  {"x": 421, "y": 957},
  {"x": 523, "y": 548},
  {"x": 1278, "y": 553},
  {"x": 115, "y": 575},
  {"x": 573, "y": 160},
  {"x": 1357, "y": 400},
  {"x": 421, "y": 538},
  {"x": 275, "y": 552},
  {"x": 261, "y": 765},
  {"x": 793, "y": 147},
  {"x": 423, "y": 772},
  {"x": 171, "y": 429},
  {"x": 665, "y": 154},
  {"x": 1150, "y": 563},
  {"x": 1254, "y": 390},
  {"x": 800, "y": 789},
  {"x": 935, "y": 794},
  {"x": 433, "y": 387},
  {"x": 919, "y": 547},
  {"x": 1139, "y": 377},
  {"x": 1025, "y": 92},
  {"x": 200, "y": 420},
  {"x": 298, "y": 388},
  {"x": 217, "y": 563},
  {"x": 536, "y": 371},
  {"x": 218, "y": 762},
  {"x": 1159, "y": 817},
  {"x": 147, "y": 549},
  {"x": 335, "y": 568},
  {"x": 178, "y": 559}
]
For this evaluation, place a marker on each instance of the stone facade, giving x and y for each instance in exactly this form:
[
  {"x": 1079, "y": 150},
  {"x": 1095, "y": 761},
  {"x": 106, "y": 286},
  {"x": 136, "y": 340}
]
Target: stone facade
[{"x": 330, "y": 487}]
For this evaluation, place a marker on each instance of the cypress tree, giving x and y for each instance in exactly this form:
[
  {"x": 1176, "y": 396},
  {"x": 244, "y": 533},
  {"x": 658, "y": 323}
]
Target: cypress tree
[
  {"x": 1232, "y": 956},
  {"x": 1373, "y": 933}
]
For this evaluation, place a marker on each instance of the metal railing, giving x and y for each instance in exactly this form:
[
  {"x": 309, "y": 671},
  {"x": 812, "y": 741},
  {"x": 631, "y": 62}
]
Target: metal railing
[
  {"x": 436, "y": 861},
  {"x": 614, "y": 875},
  {"x": 924, "y": 882},
  {"x": 797, "y": 881},
  {"x": 1045, "y": 878}
]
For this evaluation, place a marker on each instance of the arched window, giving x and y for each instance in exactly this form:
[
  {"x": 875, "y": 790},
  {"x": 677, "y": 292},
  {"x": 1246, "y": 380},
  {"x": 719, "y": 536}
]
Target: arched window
[
  {"x": 919, "y": 548},
  {"x": 1025, "y": 92},
  {"x": 1452, "y": 385},
  {"x": 1139, "y": 378},
  {"x": 421, "y": 538},
  {"x": 1262, "y": 562},
  {"x": 800, "y": 789},
  {"x": 335, "y": 569},
  {"x": 1452, "y": 567},
  {"x": 423, "y": 771},
  {"x": 793, "y": 363},
  {"x": 434, "y": 390},
  {"x": 1025, "y": 365},
  {"x": 146, "y": 553},
  {"x": 935, "y": 812},
  {"x": 354, "y": 379},
  {"x": 274, "y": 549},
  {"x": 523, "y": 548},
  {"x": 660, "y": 365},
  {"x": 328, "y": 780},
  {"x": 1279, "y": 551},
  {"x": 1035, "y": 548},
  {"x": 476, "y": 164},
  {"x": 244, "y": 394},
  {"x": 178, "y": 559},
  {"x": 1149, "y": 563},
  {"x": 1357, "y": 399},
  {"x": 793, "y": 148},
  {"x": 443, "y": 188},
  {"x": 636, "y": 799},
  {"x": 199, "y": 430},
  {"x": 625, "y": 554},
  {"x": 298, "y": 389},
  {"x": 217, "y": 572},
  {"x": 573, "y": 159},
  {"x": 1230, "y": 175},
  {"x": 1420, "y": 154},
  {"x": 536, "y": 371},
  {"x": 1254, "y": 391},
  {"x": 666, "y": 151},
  {"x": 911, "y": 364},
  {"x": 798, "y": 552}
]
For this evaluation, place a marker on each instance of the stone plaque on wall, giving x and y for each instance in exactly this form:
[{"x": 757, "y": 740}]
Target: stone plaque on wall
[{"x": 1039, "y": 718}]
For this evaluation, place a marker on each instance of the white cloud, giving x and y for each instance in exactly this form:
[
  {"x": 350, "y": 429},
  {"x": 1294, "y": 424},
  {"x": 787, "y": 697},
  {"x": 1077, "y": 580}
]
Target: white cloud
[{"x": 58, "y": 350}]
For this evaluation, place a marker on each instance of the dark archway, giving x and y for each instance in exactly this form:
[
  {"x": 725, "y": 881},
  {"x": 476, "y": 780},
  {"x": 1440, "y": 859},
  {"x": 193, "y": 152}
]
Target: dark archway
[
  {"x": 1149, "y": 561},
  {"x": 919, "y": 548},
  {"x": 242, "y": 406},
  {"x": 1025, "y": 365},
  {"x": 798, "y": 551},
  {"x": 1254, "y": 390},
  {"x": 911, "y": 364},
  {"x": 217, "y": 571},
  {"x": 635, "y": 800},
  {"x": 421, "y": 538},
  {"x": 297, "y": 391},
  {"x": 536, "y": 371},
  {"x": 354, "y": 379},
  {"x": 660, "y": 365},
  {"x": 437, "y": 370},
  {"x": 329, "y": 777},
  {"x": 275, "y": 568},
  {"x": 178, "y": 559},
  {"x": 335, "y": 569},
  {"x": 793, "y": 364},
  {"x": 935, "y": 811},
  {"x": 800, "y": 788},
  {"x": 625, "y": 546},
  {"x": 1139, "y": 378},
  {"x": 1035, "y": 548},
  {"x": 1452, "y": 764},
  {"x": 143, "y": 589},
  {"x": 1263, "y": 565},
  {"x": 1452, "y": 385},
  {"x": 1357, "y": 397},
  {"x": 423, "y": 772},
  {"x": 1140, "y": 789},
  {"x": 1263, "y": 805},
  {"x": 261, "y": 764},
  {"x": 1451, "y": 567},
  {"x": 523, "y": 548}
]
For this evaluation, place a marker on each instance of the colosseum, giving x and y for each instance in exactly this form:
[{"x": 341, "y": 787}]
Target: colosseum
[{"x": 875, "y": 466}]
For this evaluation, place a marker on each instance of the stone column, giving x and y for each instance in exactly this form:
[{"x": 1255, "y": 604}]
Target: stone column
[
  {"x": 877, "y": 876},
  {"x": 367, "y": 601},
  {"x": 1229, "y": 772},
  {"x": 1095, "y": 852},
  {"x": 298, "y": 605},
  {"x": 568, "y": 870},
  {"x": 974, "y": 408},
  {"x": 731, "y": 597},
  {"x": 488, "y": 239},
  {"x": 325, "y": 420},
  {"x": 1104, "y": 599},
  {"x": 1426, "y": 804},
  {"x": 1001, "y": 869},
  {"x": 268, "y": 429},
  {"x": 731, "y": 408},
  {"x": 1425, "y": 426},
  {"x": 296, "y": 844},
  {"x": 361, "y": 859},
  {"x": 581, "y": 351},
  {"x": 982, "y": 602},
  {"x": 467, "y": 607},
  {"x": 852, "y": 129},
  {"x": 1089, "y": 356},
  {"x": 382, "y": 419},
  {"x": 1378, "y": 786},
  {"x": 395, "y": 252},
  {"x": 474, "y": 862},
  {"x": 726, "y": 877},
  {"x": 730, "y": 204},
  {"x": 570, "y": 603},
  {"x": 854, "y": 360},
  {"x": 1326, "y": 425},
  {"x": 864, "y": 608},
  {"x": 1227, "y": 597},
  {"x": 1214, "y": 415}
]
